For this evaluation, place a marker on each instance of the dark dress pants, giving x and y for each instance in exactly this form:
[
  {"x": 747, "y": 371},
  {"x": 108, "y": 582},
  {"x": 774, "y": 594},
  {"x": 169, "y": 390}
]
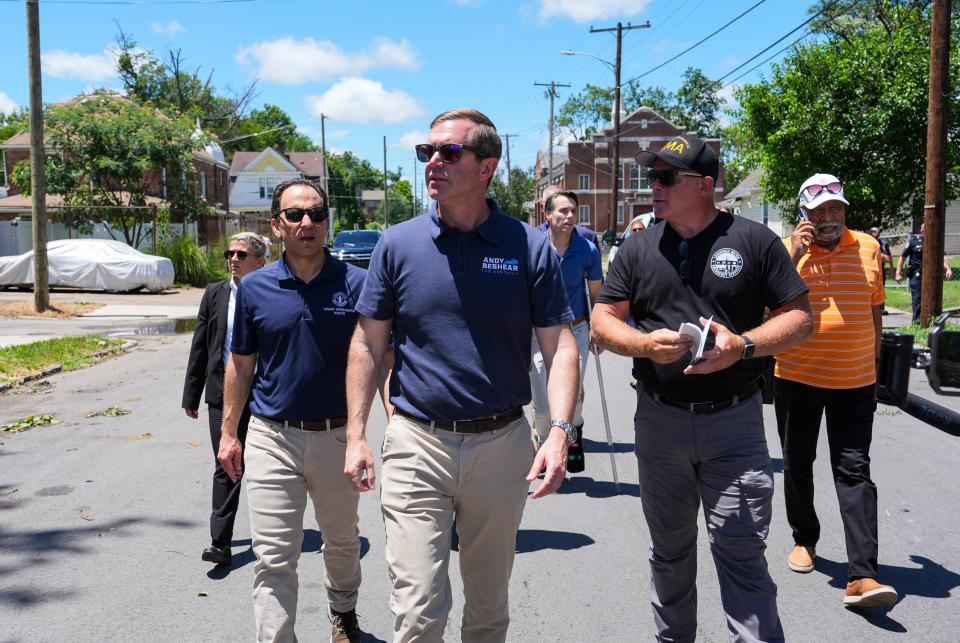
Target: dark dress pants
[
  {"x": 799, "y": 408},
  {"x": 226, "y": 493},
  {"x": 915, "y": 297}
]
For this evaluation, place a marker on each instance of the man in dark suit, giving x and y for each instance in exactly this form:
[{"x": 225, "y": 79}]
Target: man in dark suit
[{"x": 208, "y": 358}]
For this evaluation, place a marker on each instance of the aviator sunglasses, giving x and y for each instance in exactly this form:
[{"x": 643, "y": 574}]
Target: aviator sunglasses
[
  {"x": 668, "y": 177},
  {"x": 241, "y": 254},
  {"x": 318, "y": 214},
  {"x": 449, "y": 152}
]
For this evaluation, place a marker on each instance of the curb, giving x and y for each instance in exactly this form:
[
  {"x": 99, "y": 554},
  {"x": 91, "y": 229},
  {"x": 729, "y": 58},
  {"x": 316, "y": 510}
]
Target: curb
[{"x": 57, "y": 368}]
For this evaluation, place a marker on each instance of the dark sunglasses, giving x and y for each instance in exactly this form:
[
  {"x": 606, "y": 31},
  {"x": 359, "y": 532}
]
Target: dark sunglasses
[
  {"x": 684, "y": 264},
  {"x": 241, "y": 254},
  {"x": 668, "y": 177},
  {"x": 813, "y": 190},
  {"x": 449, "y": 152},
  {"x": 318, "y": 214}
]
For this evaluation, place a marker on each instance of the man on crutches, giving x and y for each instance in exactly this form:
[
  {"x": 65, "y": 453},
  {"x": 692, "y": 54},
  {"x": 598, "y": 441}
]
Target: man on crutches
[{"x": 579, "y": 260}]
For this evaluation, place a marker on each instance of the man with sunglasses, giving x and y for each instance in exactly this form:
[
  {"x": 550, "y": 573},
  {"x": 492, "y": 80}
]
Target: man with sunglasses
[
  {"x": 292, "y": 328},
  {"x": 913, "y": 256},
  {"x": 208, "y": 358},
  {"x": 699, "y": 426},
  {"x": 461, "y": 288},
  {"x": 833, "y": 372}
]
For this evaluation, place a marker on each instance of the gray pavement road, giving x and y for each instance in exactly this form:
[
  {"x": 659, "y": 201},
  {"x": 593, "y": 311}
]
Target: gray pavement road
[{"x": 102, "y": 521}]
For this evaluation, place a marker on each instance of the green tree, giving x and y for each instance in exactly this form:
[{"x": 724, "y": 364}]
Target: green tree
[
  {"x": 696, "y": 105},
  {"x": 111, "y": 152},
  {"x": 511, "y": 195},
  {"x": 269, "y": 126},
  {"x": 855, "y": 107},
  {"x": 349, "y": 175},
  {"x": 401, "y": 203},
  {"x": 13, "y": 123}
]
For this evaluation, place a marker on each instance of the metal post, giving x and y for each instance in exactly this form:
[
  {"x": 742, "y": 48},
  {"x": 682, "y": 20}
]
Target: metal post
[
  {"x": 615, "y": 208},
  {"x": 323, "y": 151},
  {"x": 386, "y": 196},
  {"x": 603, "y": 394}
]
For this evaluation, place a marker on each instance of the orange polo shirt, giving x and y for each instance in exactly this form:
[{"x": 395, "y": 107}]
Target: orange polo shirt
[{"x": 845, "y": 284}]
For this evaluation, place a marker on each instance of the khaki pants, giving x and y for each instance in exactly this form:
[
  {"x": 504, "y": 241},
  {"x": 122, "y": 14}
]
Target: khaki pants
[
  {"x": 429, "y": 478},
  {"x": 282, "y": 466}
]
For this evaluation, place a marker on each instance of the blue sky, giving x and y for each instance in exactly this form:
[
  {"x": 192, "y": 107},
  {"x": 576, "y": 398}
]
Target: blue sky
[{"x": 386, "y": 68}]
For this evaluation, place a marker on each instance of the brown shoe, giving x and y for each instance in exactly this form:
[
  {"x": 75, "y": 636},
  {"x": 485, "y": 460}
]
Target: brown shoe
[
  {"x": 867, "y": 592},
  {"x": 344, "y": 627},
  {"x": 801, "y": 559}
]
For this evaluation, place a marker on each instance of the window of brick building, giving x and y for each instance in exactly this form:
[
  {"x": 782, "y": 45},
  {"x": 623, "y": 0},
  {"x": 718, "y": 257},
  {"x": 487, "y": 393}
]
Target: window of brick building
[
  {"x": 584, "y": 181},
  {"x": 584, "y": 215},
  {"x": 620, "y": 213}
]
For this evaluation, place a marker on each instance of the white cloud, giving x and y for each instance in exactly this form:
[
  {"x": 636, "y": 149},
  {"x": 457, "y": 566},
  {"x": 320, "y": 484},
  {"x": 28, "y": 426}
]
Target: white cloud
[
  {"x": 729, "y": 63},
  {"x": 412, "y": 138},
  {"x": 75, "y": 66},
  {"x": 340, "y": 133},
  {"x": 169, "y": 29},
  {"x": 587, "y": 10},
  {"x": 293, "y": 62},
  {"x": 7, "y": 104},
  {"x": 360, "y": 100}
]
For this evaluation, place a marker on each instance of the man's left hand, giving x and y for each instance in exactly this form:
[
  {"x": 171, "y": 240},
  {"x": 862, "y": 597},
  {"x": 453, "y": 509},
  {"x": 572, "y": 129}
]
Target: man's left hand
[
  {"x": 552, "y": 456},
  {"x": 727, "y": 351}
]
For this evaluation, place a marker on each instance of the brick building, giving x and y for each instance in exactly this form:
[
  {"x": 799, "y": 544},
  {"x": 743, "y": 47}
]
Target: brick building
[{"x": 586, "y": 167}]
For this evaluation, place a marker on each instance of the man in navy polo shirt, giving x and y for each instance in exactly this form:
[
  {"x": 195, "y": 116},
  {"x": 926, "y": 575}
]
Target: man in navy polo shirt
[
  {"x": 579, "y": 261},
  {"x": 699, "y": 426},
  {"x": 462, "y": 288},
  {"x": 584, "y": 232},
  {"x": 292, "y": 328}
]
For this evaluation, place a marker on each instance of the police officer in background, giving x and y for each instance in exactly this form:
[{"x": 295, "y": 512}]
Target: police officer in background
[
  {"x": 699, "y": 426},
  {"x": 913, "y": 254},
  {"x": 462, "y": 288}
]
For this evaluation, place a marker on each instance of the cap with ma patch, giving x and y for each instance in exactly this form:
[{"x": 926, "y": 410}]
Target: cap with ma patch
[{"x": 685, "y": 152}]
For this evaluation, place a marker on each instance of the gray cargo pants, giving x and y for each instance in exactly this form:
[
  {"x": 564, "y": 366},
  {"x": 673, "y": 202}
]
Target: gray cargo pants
[{"x": 721, "y": 460}]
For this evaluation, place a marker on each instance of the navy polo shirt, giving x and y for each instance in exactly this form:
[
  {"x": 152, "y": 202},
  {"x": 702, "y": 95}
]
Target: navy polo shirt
[
  {"x": 586, "y": 233},
  {"x": 581, "y": 259},
  {"x": 301, "y": 334},
  {"x": 463, "y": 306}
]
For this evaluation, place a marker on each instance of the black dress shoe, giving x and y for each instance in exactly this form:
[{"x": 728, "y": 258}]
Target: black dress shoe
[{"x": 217, "y": 555}]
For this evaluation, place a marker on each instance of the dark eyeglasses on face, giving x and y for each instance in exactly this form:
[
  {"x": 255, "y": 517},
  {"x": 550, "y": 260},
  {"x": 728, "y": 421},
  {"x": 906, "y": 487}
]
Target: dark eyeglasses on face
[
  {"x": 241, "y": 254},
  {"x": 318, "y": 214},
  {"x": 449, "y": 152},
  {"x": 813, "y": 190},
  {"x": 668, "y": 177}
]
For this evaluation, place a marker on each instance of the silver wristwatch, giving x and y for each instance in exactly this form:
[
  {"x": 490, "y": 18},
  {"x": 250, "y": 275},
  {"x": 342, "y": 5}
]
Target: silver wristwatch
[{"x": 571, "y": 431}]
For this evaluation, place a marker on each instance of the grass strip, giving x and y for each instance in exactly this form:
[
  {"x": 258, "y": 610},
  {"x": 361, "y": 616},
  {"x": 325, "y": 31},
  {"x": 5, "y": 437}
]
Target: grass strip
[{"x": 70, "y": 353}]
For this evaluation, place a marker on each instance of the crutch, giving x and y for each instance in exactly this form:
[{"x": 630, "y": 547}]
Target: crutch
[{"x": 603, "y": 395}]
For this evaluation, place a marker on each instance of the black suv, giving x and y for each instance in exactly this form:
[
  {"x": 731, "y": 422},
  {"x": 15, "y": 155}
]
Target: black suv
[{"x": 355, "y": 246}]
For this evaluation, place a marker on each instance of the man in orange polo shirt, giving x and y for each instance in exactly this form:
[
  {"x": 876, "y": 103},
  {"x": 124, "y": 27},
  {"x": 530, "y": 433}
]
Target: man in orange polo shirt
[{"x": 834, "y": 370}]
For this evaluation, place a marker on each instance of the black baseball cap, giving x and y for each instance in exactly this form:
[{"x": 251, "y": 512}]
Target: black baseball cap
[{"x": 685, "y": 152}]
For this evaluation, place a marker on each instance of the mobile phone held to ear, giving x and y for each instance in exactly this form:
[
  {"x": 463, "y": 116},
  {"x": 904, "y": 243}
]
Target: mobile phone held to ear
[{"x": 803, "y": 215}]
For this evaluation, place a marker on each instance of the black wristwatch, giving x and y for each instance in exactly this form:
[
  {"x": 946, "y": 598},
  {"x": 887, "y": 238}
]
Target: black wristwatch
[{"x": 748, "y": 347}]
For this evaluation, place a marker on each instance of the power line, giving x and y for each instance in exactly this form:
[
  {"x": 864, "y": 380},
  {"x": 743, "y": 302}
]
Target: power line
[
  {"x": 694, "y": 46},
  {"x": 778, "y": 40},
  {"x": 767, "y": 59},
  {"x": 135, "y": 2}
]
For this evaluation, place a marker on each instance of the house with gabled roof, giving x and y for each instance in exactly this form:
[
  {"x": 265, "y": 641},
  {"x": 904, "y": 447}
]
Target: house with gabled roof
[{"x": 254, "y": 175}]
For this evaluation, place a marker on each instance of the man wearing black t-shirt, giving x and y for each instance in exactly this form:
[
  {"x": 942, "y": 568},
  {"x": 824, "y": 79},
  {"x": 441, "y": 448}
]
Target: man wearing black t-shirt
[{"x": 699, "y": 426}]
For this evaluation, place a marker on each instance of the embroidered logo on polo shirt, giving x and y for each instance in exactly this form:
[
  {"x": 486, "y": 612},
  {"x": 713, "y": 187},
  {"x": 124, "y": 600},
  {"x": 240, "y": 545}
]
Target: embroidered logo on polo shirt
[
  {"x": 501, "y": 266},
  {"x": 341, "y": 305},
  {"x": 726, "y": 263},
  {"x": 340, "y": 300}
]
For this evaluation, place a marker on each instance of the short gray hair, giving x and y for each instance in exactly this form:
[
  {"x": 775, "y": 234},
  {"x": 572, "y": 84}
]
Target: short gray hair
[{"x": 254, "y": 242}]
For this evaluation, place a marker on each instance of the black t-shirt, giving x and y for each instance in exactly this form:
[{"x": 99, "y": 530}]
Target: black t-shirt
[{"x": 736, "y": 269}]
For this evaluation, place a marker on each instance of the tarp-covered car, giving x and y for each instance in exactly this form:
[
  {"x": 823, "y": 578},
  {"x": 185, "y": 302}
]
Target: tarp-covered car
[{"x": 97, "y": 264}]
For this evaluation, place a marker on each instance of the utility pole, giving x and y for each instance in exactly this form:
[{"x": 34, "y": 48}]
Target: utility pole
[
  {"x": 611, "y": 217},
  {"x": 38, "y": 181},
  {"x": 413, "y": 185},
  {"x": 506, "y": 138},
  {"x": 386, "y": 196},
  {"x": 934, "y": 208},
  {"x": 553, "y": 94},
  {"x": 323, "y": 150}
]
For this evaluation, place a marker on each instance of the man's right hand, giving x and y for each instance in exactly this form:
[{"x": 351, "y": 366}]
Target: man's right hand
[
  {"x": 192, "y": 413},
  {"x": 230, "y": 456},
  {"x": 898, "y": 277},
  {"x": 666, "y": 346},
  {"x": 358, "y": 466},
  {"x": 801, "y": 238}
]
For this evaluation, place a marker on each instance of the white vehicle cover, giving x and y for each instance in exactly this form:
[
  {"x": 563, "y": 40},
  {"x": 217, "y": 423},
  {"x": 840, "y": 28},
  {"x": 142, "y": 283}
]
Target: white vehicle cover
[{"x": 92, "y": 263}]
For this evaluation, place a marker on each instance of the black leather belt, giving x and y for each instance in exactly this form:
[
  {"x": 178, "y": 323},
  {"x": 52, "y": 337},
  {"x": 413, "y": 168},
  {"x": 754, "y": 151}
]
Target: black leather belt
[
  {"x": 710, "y": 407},
  {"x": 479, "y": 425},
  {"x": 308, "y": 425}
]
